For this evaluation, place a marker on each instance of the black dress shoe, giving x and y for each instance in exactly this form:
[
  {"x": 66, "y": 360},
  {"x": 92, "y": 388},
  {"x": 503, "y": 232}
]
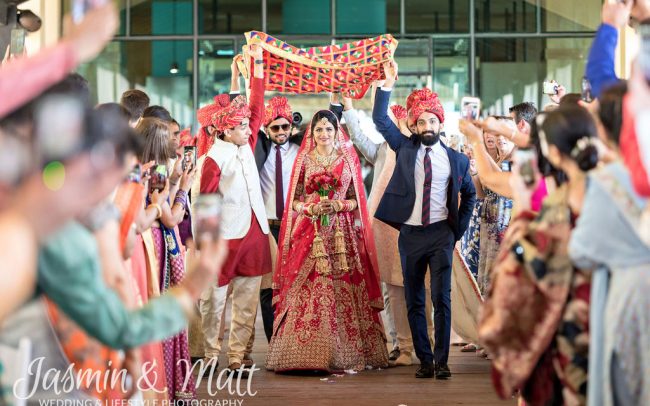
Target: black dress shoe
[
  {"x": 394, "y": 354},
  {"x": 425, "y": 371},
  {"x": 442, "y": 371}
]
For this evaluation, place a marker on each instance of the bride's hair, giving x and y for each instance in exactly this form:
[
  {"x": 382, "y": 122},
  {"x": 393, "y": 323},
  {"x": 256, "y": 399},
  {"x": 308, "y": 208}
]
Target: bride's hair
[{"x": 331, "y": 117}]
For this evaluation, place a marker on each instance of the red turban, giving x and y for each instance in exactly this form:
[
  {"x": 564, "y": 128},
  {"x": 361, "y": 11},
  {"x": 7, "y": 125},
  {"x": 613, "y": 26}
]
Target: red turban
[
  {"x": 422, "y": 100},
  {"x": 399, "y": 112},
  {"x": 204, "y": 114},
  {"x": 278, "y": 107},
  {"x": 232, "y": 115}
]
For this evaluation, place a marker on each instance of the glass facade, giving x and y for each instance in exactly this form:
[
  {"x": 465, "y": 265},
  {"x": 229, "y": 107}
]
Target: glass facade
[{"x": 501, "y": 51}]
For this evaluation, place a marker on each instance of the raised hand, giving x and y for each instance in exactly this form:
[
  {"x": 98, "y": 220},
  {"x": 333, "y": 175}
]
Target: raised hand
[
  {"x": 91, "y": 35},
  {"x": 256, "y": 52},
  {"x": 616, "y": 13},
  {"x": 471, "y": 131},
  {"x": 160, "y": 196},
  {"x": 390, "y": 70}
]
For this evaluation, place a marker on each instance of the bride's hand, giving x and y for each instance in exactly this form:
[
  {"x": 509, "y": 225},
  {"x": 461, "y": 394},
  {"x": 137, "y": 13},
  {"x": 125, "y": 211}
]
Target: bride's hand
[{"x": 325, "y": 207}]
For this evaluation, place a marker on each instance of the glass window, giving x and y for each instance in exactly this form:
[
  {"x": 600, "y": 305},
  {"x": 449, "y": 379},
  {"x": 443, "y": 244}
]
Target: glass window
[
  {"x": 505, "y": 16},
  {"x": 393, "y": 16},
  {"x": 161, "y": 17},
  {"x": 523, "y": 65},
  {"x": 562, "y": 15},
  {"x": 145, "y": 65},
  {"x": 298, "y": 17},
  {"x": 435, "y": 16},
  {"x": 375, "y": 16},
  {"x": 451, "y": 71},
  {"x": 229, "y": 16},
  {"x": 412, "y": 56},
  {"x": 215, "y": 58},
  {"x": 121, "y": 6}
]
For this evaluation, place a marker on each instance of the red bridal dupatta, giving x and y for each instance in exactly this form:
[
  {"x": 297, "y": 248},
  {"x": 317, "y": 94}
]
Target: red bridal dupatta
[
  {"x": 287, "y": 275},
  {"x": 348, "y": 68}
]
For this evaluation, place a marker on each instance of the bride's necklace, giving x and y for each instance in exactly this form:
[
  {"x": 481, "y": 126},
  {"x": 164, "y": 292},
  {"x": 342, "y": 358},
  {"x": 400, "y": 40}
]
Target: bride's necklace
[{"x": 325, "y": 160}]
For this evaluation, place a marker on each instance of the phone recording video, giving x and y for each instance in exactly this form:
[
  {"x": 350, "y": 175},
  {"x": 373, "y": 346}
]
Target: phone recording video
[
  {"x": 207, "y": 214},
  {"x": 550, "y": 88},
  {"x": 158, "y": 178},
  {"x": 135, "y": 175},
  {"x": 586, "y": 95},
  {"x": 17, "y": 46},
  {"x": 526, "y": 160},
  {"x": 189, "y": 157},
  {"x": 60, "y": 127},
  {"x": 470, "y": 108}
]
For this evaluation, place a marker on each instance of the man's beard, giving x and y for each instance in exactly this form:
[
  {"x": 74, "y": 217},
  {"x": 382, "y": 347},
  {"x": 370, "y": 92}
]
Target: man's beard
[
  {"x": 275, "y": 140},
  {"x": 428, "y": 138}
]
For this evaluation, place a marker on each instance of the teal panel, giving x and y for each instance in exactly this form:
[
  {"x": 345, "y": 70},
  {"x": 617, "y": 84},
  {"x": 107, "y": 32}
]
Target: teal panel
[
  {"x": 168, "y": 18},
  {"x": 306, "y": 17},
  {"x": 360, "y": 16},
  {"x": 165, "y": 53}
]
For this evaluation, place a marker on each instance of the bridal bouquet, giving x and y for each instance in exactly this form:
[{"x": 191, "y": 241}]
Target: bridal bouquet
[{"x": 322, "y": 183}]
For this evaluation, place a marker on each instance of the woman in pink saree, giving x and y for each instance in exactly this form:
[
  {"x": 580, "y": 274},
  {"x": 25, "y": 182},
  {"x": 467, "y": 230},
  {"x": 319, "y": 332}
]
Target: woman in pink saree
[{"x": 326, "y": 286}]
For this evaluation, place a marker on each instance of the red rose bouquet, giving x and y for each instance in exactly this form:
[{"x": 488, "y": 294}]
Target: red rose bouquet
[{"x": 322, "y": 183}]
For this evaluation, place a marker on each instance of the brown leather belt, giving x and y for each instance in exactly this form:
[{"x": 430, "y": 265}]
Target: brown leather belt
[{"x": 275, "y": 223}]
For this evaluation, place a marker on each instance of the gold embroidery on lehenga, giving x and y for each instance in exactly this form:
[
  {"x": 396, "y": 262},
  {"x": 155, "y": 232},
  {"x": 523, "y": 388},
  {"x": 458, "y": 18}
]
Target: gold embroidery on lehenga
[{"x": 339, "y": 247}]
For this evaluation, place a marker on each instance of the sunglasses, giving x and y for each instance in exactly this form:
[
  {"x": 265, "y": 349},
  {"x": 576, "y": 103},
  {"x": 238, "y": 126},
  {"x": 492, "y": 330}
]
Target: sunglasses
[{"x": 276, "y": 128}]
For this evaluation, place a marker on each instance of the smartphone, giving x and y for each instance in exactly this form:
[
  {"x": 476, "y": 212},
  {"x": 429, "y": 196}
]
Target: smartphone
[
  {"x": 158, "y": 178},
  {"x": 586, "y": 91},
  {"x": 189, "y": 157},
  {"x": 207, "y": 215},
  {"x": 135, "y": 175},
  {"x": 81, "y": 7},
  {"x": 506, "y": 166},
  {"x": 60, "y": 125},
  {"x": 550, "y": 88},
  {"x": 527, "y": 161},
  {"x": 17, "y": 47},
  {"x": 470, "y": 108}
]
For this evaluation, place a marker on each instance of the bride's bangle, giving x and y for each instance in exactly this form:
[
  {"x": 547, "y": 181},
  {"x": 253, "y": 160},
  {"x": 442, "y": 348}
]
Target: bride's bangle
[{"x": 307, "y": 209}]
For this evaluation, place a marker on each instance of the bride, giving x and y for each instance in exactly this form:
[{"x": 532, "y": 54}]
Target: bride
[{"x": 326, "y": 286}]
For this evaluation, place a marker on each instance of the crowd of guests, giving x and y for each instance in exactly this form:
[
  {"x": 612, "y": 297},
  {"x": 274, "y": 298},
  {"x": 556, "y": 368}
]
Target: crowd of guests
[{"x": 107, "y": 258}]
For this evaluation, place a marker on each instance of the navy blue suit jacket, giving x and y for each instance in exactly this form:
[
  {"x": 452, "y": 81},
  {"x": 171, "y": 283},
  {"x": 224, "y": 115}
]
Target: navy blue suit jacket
[{"x": 397, "y": 203}]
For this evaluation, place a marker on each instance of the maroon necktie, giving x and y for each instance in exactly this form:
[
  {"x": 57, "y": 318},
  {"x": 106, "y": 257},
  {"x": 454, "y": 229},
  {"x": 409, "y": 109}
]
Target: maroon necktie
[
  {"x": 279, "y": 195},
  {"x": 426, "y": 196}
]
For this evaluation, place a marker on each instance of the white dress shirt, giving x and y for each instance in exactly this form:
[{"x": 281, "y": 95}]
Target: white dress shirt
[
  {"x": 289, "y": 152},
  {"x": 440, "y": 173}
]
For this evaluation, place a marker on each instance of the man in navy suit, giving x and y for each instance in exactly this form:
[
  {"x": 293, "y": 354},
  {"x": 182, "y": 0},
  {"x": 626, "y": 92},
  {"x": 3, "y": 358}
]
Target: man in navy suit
[{"x": 422, "y": 201}]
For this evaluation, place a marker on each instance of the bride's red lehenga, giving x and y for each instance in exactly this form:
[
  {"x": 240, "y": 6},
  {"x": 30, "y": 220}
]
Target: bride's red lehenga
[{"x": 327, "y": 317}]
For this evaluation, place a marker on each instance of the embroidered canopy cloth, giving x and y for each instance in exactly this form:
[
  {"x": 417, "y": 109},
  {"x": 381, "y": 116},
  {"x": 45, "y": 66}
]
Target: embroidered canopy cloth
[{"x": 348, "y": 68}]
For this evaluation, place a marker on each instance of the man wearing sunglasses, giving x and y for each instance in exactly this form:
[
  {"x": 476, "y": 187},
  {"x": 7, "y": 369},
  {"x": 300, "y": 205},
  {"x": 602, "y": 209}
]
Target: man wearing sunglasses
[{"x": 275, "y": 155}]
